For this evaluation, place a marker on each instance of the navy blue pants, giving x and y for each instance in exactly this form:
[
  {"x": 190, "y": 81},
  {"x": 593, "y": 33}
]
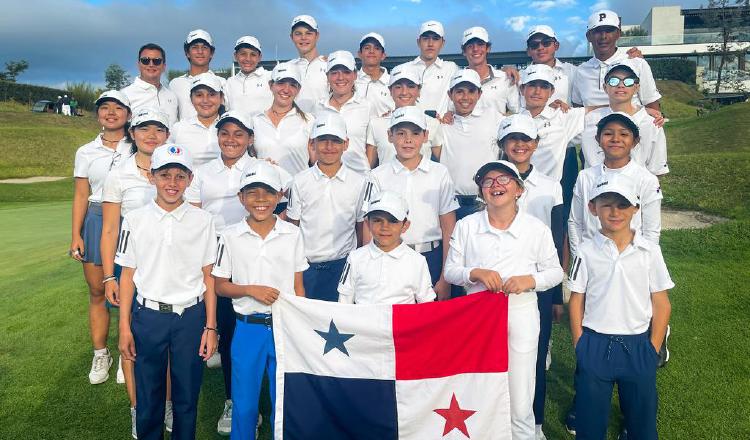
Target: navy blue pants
[
  {"x": 321, "y": 280},
  {"x": 161, "y": 338},
  {"x": 568, "y": 181},
  {"x": 434, "y": 263},
  {"x": 603, "y": 361},
  {"x": 225, "y": 320},
  {"x": 544, "y": 303}
]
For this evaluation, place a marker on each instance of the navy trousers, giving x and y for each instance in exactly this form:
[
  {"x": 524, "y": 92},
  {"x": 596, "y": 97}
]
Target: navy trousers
[
  {"x": 225, "y": 320},
  {"x": 434, "y": 263},
  {"x": 544, "y": 303},
  {"x": 321, "y": 280}
]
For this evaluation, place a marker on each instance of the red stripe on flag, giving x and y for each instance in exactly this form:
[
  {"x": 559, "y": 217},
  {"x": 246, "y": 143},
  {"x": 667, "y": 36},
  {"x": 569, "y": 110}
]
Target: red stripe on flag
[{"x": 440, "y": 339}]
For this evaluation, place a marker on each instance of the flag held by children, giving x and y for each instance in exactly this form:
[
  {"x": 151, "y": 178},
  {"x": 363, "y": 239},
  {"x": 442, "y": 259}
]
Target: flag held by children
[{"x": 417, "y": 371}]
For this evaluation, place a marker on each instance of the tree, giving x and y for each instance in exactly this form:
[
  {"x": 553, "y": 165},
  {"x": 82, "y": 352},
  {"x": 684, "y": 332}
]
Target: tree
[
  {"x": 727, "y": 16},
  {"x": 635, "y": 31},
  {"x": 13, "y": 69},
  {"x": 116, "y": 77}
]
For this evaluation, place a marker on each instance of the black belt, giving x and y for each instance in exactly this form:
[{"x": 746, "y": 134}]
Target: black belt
[
  {"x": 467, "y": 200},
  {"x": 266, "y": 320}
]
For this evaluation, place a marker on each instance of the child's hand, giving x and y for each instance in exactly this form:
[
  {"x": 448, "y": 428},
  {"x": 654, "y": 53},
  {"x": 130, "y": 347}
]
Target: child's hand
[
  {"x": 209, "y": 343},
  {"x": 519, "y": 284},
  {"x": 77, "y": 249},
  {"x": 562, "y": 105},
  {"x": 112, "y": 292},
  {"x": 447, "y": 118},
  {"x": 126, "y": 345},
  {"x": 490, "y": 278},
  {"x": 266, "y": 295},
  {"x": 442, "y": 289}
]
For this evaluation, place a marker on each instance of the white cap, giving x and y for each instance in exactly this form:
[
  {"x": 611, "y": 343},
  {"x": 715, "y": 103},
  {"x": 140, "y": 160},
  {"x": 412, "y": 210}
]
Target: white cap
[
  {"x": 477, "y": 32},
  {"x": 375, "y": 36},
  {"x": 199, "y": 34},
  {"x": 250, "y": 40},
  {"x": 261, "y": 172},
  {"x": 329, "y": 123},
  {"x": 236, "y": 117},
  {"x": 541, "y": 29},
  {"x": 113, "y": 95},
  {"x": 390, "y": 202},
  {"x": 405, "y": 71},
  {"x": 306, "y": 19},
  {"x": 207, "y": 79},
  {"x": 617, "y": 183},
  {"x": 518, "y": 123},
  {"x": 285, "y": 71},
  {"x": 432, "y": 26},
  {"x": 171, "y": 154},
  {"x": 538, "y": 72},
  {"x": 143, "y": 115},
  {"x": 627, "y": 64},
  {"x": 409, "y": 113},
  {"x": 466, "y": 75},
  {"x": 498, "y": 165},
  {"x": 341, "y": 58},
  {"x": 603, "y": 17}
]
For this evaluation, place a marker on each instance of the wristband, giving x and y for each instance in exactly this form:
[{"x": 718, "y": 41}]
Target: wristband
[
  {"x": 108, "y": 279},
  {"x": 213, "y": 329}
]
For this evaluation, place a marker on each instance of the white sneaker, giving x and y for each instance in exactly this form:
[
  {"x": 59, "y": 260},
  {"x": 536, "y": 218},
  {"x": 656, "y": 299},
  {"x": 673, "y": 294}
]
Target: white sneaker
[
  {"x": 120, "y": 374},
  {"x": 100, "y": 368},
  {"x": 548, "y": 361},
  {"x": 133, "y": 431},
  {"x": 214, "y": 361},
  {"x": 168, "y": 415},
  {"x": 224, "y": 427},
  {"x": 539, "y": 434},
  {"x": 257, "y": 426}
]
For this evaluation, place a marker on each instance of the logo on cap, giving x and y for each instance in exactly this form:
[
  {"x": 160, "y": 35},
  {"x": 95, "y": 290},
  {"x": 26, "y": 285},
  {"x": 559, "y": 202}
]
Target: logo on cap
[
  {"x": 250, "y": 174},
  {"x": 175, "y": 150},
  {"x": 320, "y": 125},
  {"x": 399, "y": 116},
  {"x": 602, "y": 16},
  {"x": 506, "y": 125},
  {"x": 599, "y": 185}
]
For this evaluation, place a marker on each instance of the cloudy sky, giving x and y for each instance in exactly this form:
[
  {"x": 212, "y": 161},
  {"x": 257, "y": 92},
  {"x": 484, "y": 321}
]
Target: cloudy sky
[{"x": 75, "y": 40}]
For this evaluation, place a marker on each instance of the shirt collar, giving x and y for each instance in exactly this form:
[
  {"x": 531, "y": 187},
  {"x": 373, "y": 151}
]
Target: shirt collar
[
  {"x": 611, "y": 61},
  {"x": 384, "y": 77},
  {"x": 376, "y": 252},
  {"x": 438, "y": 62},
  {"x": 177, "y": 213},
  {"x": 340, "y": 174},
  {"x": 533, "y": 177},
  {"x": 138, "y": 82},
  {"x": 280, "y": 227},
  {"x": 259, "y": 71},
  {"x": 219, "y": 166},
  {"x": 424, "y": 165},
  {"x": 638, "y": 241},
  {"x": 547, "y": 113},
  {"x": 194, "y": 121},
  {"x": 514, "y": 229}
]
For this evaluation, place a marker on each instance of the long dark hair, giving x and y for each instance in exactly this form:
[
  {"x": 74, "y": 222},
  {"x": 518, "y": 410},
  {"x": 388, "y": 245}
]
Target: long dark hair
[{"x": 133, "y": 146}]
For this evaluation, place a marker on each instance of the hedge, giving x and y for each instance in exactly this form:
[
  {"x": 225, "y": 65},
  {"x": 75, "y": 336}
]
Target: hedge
[
  {"x": 27, "y": 93},
  {"x": 673, "y": 68}
]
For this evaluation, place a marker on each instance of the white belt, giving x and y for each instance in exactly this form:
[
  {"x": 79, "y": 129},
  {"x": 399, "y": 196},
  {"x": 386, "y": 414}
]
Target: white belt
[
  {"x": 168, "y": 308},
  {"x": 426, "y": 246}
]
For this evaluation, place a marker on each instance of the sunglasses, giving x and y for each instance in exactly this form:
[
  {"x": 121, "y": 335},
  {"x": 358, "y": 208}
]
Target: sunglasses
[
  {"x": 627, "y": 82},
  {"x": 155, "y": 61},
  {"x": 534, "y": 44},
  {"x": 500, "y": 180}
]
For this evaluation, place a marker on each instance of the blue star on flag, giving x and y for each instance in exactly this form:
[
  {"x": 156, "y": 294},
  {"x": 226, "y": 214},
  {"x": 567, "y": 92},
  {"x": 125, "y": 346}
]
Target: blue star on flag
[{"x": 334, "y": 339}]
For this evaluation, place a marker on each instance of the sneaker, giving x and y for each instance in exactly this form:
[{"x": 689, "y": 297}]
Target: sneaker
[
  {"x": 120, "y": 374},
  {"x": 570, "y": 422},
  {"x": 623, "y": 434},
  {"x": 168, "y": 415},
  {"x": 257, "y": 426},
  {"x": 224, "y": 427},
  {"x": 100, "y": 368},
  {"x": 538, "y": 433},
  {"x": 548, "y": 361},
  {"x": 664, "y": 351},
  {"x": 214, "y": 361},
  {"x": 133, "y": 431}
]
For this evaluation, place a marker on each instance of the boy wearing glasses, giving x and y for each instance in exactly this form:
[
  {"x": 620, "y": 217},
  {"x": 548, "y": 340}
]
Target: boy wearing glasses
[
  {"x": 147, "y": 90},
  {"x": 541, "y": 46}
]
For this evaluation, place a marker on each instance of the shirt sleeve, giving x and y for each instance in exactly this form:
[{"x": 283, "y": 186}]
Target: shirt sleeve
[
  {"x": 112, "y": 189},
  {"x": 656, "y": 159},
  {"x": 435, "y": 136},
  {"x": 346, "y": 283},
  {"x": 300, "y": 263},
  {"x": 658, "y": 275},
  {"x": 574, "y": 123},
  {"x": 286, "y": 178},
  {"x": 549, "y": 273},
  {"x": 448, "y": 201},
  {"x": 578, "y": 275},
  {"x": 651, "y": 197},
  {"x": 294, "y": 204},
  {"x": 370, "y": 138},
  {"x": 193, "y": 192},
  {"x": 514, "y": 101},
  {"x": 425, "y": 292},
  {"x": 370, "y": 192},
  {"x": 648, "y": 92},
  {"x": 223, "y": 265},
  {"x": 576, "y": 218},
  {"x": 125, "y": 255},
  {"x": 575, "y": 94},
  {"x": 455, "y": 271},
  {"x": 360, "y": 209},
  {"x": 81, "y": 165},
  {"x": 209, "y": 249}
]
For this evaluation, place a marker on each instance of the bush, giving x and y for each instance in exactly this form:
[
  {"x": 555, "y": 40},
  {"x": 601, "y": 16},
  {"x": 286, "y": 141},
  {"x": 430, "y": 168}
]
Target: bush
[
  {"x": 27, "y": 93},
  {"x": 84, "y": 93},
  {"x": 673, "y": 68}
]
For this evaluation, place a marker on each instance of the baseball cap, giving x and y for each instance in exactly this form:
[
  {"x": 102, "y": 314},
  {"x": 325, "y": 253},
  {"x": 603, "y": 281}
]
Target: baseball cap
[
  {"x": 500, "y": 165},
  {"x": 617, "y": 183},
  {"x": 248, "y": 40},
  {"x": 538, "y": 72},
  {"x": 237, "y": 117},
  {"x": 144, "y": 115},
  {"x": 518, "y": 123},
  {"x": 432, "y": 26},
  {"x": 477, "y": 32},
  {"x": 341, "y": 58},
  {"x": 541, "y": 29},
  {"x": 620, "y": 117},
  {"x": 305, "y": 19},
  {"x": 329, "y": 123},
  {"x": 407, "y": 72},
  {"x": 113, "y": 95},
  {"x": 603, "y": 17},
  {"x": 626, "y": 65},
  {"x": 171, "y": 154},
  {"x": 261, "y": 172},
  {"x": 465, "y": 75},
  {"x": 199, "y": 34},
  {"x": 206, "y": 79},
  {"x": 285, "y": 71},
  {"x": 390, "y": 202},
  {"x": 409, "y": 113},
  {"x": 374, "y": 36}
]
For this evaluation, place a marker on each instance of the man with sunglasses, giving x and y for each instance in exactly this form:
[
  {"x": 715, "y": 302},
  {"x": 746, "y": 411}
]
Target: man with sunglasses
[{"x": 147, "y": 89}]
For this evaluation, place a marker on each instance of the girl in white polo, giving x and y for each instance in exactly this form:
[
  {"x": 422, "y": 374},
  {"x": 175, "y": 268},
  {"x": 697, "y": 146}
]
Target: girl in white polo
[
  {"x": 198, "y": 133},
  {"x": 92, "y": 164},
  {"x": 504, "y": 249}
]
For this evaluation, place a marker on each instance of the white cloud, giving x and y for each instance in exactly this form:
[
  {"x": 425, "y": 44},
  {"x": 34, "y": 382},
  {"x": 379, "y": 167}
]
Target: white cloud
[
  {"x": 544, "y": 5},
  {"x": 602, "y": 4},
  {"x": 518, "y": 23},
  {"x": 576, "y": 20}
]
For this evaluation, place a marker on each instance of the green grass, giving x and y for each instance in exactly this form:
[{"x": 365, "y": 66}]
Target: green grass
[{"x": 20, "y": 193}]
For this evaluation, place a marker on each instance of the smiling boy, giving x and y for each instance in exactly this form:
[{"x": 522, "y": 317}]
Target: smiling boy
[{"x": 248, "y": 90}]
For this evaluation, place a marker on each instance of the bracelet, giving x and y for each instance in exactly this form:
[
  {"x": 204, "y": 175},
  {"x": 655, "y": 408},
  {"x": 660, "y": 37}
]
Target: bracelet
[
  {"x": 213, "y": 329},
  {"x": 108, "y": 279}
]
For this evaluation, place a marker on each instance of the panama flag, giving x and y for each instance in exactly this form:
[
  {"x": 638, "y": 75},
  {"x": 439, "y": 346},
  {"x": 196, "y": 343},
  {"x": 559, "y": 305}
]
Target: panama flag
[{"x": 415, "y": 371}]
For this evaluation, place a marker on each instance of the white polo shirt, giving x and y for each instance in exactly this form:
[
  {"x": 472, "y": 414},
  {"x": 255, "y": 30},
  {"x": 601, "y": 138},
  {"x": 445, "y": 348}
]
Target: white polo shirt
[
  {"x": 328, "y": 209},
  {"x": 95, "y": 160},
  {"x": 525, "y": 248},
  {"x": 181, "y": 87},
  {"x": 556, "y": 129},
  {"x": 428, "y": 191},
  {"x": 435, "y": 81},
  {"x": 285, "y": 144},
  {"x": 168, "y": 251},
  {"x": 126, "y": 185},
  {"x": 143, "y": 94},
  {"x": 469, "y": 143},
  {"x": 372, "y": 276},
  {"x": 376, "y": 92},
  {"x": 563, "y": 75},
  {"x": 248, "y": 259},
  {"x": 582, "y": 225},
  {"x": 540, "y": 194},
  {"x": 499, "y": 93},
  {"x": 200, "y": 141},
  {"x": 618, "y": 286},
  {"x": 356, "y": 113},
  {"x": 314, "y": 82},
  {"x": 377, "y": 135},
  {"x": 249, "y": 93},
  {"x": 588, "y": 85},
  {"x": 651, "y": 151}
]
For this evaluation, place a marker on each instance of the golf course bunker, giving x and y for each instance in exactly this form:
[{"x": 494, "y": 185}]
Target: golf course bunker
[
  {"x": 673, "y": 219},
  {"x": 35, "y": 179}
]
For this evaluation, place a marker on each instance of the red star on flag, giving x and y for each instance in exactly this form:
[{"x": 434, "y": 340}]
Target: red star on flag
[{"x": 455, "y": 417}]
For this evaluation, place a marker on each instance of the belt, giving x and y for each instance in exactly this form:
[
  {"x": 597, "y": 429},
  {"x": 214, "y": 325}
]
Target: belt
[
  {"x": 466, "y": 200},
  {"x": 168, "y": 308},
  {"x": 259, "y": 318},
  {"x": 425, "y": 247}
]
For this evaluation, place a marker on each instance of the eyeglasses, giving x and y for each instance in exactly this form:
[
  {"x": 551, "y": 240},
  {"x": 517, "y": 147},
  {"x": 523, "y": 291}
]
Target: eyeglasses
[
  {"x": 155, "y": 61},
  {"x": 489, "y": 182},
  {"x": 534, "y": 44},
  {"x": 627, "y": 82}
]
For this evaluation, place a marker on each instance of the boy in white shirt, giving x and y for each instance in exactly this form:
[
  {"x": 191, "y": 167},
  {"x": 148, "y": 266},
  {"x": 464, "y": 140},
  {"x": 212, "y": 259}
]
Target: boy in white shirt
[
  {"x": 248, "y": 91},
  {"x": 372, "y": 78},
  {"x": 499, "y": 92},
  {"x": 310, "y": 65},
  {"x": 386, "y": 271}
]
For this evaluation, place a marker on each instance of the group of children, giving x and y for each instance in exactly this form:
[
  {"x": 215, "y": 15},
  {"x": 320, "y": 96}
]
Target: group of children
[{"x": 201, "y": 203}]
